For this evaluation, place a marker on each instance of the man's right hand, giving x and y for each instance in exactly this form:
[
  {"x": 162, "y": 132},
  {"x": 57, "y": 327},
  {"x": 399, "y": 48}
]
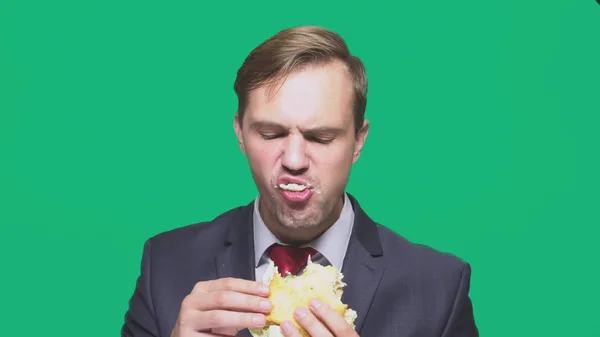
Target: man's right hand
[{"x": 222, "y": 307}]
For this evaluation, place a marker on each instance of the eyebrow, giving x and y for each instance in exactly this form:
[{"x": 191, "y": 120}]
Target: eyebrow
[
  {"x": 265, "y": 124},
  {"x": 326, "y": 130},
  {"x": 273, "y": 125}
]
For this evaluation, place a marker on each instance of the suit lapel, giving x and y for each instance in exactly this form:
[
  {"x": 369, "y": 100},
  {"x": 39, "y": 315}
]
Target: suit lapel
[
  {"x": 363, "y": 265},
  {"x": 237, "y": 256}
]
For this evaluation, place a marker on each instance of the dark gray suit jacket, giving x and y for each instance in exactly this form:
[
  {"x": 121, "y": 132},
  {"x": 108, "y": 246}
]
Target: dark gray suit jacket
[{"x": 398, "y": 289}]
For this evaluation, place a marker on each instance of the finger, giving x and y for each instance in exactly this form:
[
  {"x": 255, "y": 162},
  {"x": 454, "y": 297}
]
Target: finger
[
  {"x": 203, "y": 320},
  {"x": 207, "y": 334},
  {"x": 311, "y": 323},
  {"x": 225, "y": 331},
  {"x": 233, "y": 284},
  {"x": 228, "y": 300},
  {"x": 213, "y": 334},
  {"x": 331, "y": 319},
  {"x": 289, "y": 329}
]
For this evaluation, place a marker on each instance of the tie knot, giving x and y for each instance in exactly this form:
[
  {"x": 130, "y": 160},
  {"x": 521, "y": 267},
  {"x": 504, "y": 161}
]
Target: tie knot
[{"x": 290, "y": 259}]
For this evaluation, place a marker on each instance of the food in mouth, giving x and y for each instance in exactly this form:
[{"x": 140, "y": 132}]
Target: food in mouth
[
  {"x": 293, "y": 187},
  {"x": 295, "y": 192}
]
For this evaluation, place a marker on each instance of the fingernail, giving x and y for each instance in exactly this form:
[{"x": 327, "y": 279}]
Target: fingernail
[
  {"x": 286, "y": 327},
  {"x": 315, "y": 304},
  {"x": 301, "y": 312},
  {"x": 265, "y": 304},
  {"x": 263, "y": 289},
  {"x": 259, "y": 320}
]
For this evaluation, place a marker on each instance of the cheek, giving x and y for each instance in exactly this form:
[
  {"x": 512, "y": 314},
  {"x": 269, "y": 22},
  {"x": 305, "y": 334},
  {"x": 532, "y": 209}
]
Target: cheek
[
  {"x": 337, "y": 153},
  {"x": 262, "y": 158},
  {"x": 333, "y": 160}
]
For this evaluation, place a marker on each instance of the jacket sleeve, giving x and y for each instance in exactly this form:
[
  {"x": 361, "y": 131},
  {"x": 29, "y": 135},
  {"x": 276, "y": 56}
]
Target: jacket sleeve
[
  {"x": 140, "y": 319},
  {"x": 461, "y": 322}
]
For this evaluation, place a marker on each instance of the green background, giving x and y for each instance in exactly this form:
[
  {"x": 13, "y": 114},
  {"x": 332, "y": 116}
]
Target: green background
[{"x": 116, "y": 124}]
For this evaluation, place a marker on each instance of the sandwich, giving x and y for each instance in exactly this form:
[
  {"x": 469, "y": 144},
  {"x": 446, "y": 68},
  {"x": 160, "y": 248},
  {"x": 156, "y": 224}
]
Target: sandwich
[{"x": 293, "y": 291}]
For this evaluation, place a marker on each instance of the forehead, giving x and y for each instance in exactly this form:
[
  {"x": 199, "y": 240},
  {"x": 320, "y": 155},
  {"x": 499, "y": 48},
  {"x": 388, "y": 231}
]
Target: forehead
[{"x": 316, "y": 95}]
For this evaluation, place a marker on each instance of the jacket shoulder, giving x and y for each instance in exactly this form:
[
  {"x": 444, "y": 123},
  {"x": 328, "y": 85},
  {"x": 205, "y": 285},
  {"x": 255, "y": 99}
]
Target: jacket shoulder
[
  {"x": 207, "y": 234},
  {"x": 434, "y": 284},
  {"x": 419, "y": 259}
]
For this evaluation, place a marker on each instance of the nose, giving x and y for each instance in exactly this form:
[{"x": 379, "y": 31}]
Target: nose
[{"x": 294, "y": 158}]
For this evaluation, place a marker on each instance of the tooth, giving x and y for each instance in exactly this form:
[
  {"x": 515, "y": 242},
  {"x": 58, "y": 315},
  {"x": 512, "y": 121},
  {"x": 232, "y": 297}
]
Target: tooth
[{"x": 292, "y": 187}]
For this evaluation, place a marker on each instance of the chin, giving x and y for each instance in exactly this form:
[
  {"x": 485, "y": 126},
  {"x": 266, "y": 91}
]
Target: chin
[
  {"x": 298, "y": 231},
  {"x": 300, "y": 219}
]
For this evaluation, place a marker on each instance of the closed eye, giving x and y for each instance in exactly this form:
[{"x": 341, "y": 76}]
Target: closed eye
[
  {"x": 271, "y": 135},
  {"x": 320, "y": 140}
]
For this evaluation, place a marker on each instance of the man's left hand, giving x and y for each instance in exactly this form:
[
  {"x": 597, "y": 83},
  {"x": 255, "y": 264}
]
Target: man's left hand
[{"x": 321, "y": 320}]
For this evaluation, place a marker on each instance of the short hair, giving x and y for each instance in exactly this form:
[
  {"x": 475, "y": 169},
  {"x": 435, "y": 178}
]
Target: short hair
[{"x": 292, "y": 49}]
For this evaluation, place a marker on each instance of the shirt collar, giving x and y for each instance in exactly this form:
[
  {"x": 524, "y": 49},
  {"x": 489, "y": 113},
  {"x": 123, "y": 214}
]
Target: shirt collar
[{"x": 332, "y": 244}]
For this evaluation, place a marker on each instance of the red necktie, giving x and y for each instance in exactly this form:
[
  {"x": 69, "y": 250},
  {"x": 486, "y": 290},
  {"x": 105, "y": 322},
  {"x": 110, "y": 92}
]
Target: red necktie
[{"x": 289, "y": 259}]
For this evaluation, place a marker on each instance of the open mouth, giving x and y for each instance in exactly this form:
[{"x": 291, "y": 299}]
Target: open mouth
[{"x": 295, "y": 192}]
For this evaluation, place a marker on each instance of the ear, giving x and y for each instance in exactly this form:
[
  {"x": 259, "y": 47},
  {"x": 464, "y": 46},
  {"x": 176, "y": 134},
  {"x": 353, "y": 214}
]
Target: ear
[
  {"x": 237, "y": 127},
  {"x": 360, "y": 139}
]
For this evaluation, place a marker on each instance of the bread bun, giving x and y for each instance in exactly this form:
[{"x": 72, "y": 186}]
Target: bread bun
[{"x": 292, "y": 292}]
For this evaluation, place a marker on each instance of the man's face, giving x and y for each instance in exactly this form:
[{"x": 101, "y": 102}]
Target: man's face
[{"x": 300, "y": 144}]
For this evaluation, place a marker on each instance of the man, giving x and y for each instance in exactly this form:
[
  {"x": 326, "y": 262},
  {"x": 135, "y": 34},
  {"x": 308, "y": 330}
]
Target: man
[{"x": 300, "y": 122}]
